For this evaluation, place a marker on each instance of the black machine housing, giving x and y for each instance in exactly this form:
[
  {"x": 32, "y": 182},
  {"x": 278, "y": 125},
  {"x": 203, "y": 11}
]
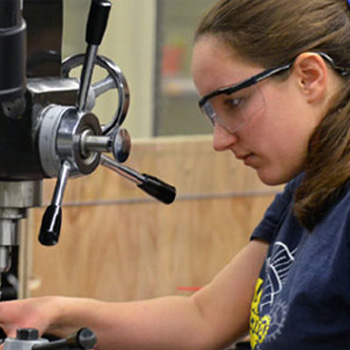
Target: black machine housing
[{"x": 30, "y": 46}]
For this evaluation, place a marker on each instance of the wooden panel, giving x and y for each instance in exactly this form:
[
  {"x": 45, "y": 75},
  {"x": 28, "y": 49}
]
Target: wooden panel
[{"x": 116, "y": 244}]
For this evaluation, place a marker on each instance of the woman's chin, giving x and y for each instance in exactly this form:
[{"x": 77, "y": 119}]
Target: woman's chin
[{"x": 272, "y": 178}]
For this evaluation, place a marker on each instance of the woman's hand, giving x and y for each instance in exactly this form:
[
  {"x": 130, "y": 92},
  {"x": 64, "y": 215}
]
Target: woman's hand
[{"x": 36, "y": 313}]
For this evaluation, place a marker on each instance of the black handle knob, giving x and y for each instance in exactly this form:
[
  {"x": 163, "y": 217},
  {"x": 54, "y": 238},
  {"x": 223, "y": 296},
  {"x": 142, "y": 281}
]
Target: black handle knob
[
  {"x": 51, "y": 225},
  {"x": 97, "y": 21},
  {"x": 84, "y": 339},
  {"x": 158, "y": 189}
]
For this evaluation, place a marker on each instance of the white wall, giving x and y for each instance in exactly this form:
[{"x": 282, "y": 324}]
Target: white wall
[{"x": 130, "y": 42}]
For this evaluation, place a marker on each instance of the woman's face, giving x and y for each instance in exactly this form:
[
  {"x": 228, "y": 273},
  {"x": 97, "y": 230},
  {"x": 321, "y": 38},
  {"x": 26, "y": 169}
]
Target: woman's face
[{"x": 274, "y": 139}]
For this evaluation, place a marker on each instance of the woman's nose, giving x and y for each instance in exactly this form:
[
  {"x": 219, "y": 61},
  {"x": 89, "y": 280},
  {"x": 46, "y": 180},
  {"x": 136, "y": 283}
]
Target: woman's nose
[{"x": 222, "y": 138}]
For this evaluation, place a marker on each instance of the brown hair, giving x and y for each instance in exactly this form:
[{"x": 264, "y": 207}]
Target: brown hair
[{"x": 271, "y": 33}]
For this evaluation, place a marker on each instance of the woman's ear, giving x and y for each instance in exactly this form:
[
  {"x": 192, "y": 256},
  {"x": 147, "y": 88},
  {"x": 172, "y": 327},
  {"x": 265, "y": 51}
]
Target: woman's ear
[{"x": 312, "y": 75}]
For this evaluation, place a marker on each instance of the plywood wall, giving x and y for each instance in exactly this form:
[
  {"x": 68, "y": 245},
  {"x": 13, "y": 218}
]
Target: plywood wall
[{"x": 118, "y": 244}]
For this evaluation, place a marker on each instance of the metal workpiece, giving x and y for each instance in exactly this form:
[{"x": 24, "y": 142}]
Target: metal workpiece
[
  {"x": 19, "y": 344},
  {"x": 28, "y": 339}
]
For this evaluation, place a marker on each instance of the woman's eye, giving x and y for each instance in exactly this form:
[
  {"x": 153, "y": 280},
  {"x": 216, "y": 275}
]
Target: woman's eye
[{"x": 233, "y": 103}]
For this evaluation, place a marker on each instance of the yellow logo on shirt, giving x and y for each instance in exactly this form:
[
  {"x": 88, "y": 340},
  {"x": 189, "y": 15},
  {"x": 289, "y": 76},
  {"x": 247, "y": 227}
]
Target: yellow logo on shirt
[{"x": 259, "y": 326}]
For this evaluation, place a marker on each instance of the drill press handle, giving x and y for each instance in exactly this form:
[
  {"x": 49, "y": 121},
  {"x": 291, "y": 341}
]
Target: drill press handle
[
  {"x": 96, "y": 25},
  {"x": 71, "y": 138}
]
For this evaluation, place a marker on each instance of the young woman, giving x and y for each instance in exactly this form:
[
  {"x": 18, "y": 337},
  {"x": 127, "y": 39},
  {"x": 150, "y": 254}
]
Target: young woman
[{"x": 274, "y": 80}]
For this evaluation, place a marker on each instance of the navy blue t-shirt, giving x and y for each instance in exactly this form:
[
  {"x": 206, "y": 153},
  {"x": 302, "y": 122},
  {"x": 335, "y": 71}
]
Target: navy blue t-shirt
[{"x": 302, "y": 297}]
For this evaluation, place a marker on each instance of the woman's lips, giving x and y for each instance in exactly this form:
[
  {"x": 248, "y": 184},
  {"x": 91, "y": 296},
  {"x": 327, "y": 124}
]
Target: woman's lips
[{"x": 246, "y": 158}]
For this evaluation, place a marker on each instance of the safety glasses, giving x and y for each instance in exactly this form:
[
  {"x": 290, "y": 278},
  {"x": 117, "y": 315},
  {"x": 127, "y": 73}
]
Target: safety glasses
[{"x": 232, "y": 107}]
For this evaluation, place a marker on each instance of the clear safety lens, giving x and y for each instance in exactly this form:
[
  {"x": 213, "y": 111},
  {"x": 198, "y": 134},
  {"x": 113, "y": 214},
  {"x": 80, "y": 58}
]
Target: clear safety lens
[{"x": 233, "y": 111}]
